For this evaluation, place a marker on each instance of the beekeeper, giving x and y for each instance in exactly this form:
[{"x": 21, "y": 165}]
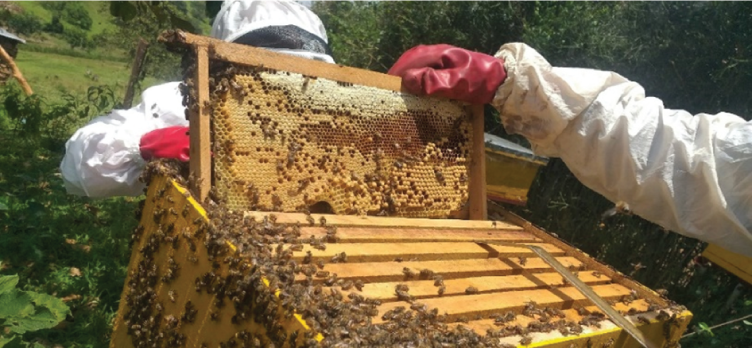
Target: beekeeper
[
  {"x": 106, "y": 157},
  {"x": 691, "y": 174}
]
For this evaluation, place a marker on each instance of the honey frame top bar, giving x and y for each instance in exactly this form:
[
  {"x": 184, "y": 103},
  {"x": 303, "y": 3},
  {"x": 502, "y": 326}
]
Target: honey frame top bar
[{"x": 207, "y": 49}]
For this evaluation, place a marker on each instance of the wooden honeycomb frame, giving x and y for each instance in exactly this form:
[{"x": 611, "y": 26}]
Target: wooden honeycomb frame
[{"x": 207, "y": 51}]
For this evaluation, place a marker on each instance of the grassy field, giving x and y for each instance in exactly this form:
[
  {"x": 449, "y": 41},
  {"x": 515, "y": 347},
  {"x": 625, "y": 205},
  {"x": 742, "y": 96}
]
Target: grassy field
[
  {"x": 53, "y": 75},
  {"x": 98, "y": 11}
]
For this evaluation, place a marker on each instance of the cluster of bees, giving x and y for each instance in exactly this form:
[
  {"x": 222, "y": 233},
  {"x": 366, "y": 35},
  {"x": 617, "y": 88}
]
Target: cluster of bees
[
  {"x": 283, "y": 141},
  {"x": 251, "y": 260}
]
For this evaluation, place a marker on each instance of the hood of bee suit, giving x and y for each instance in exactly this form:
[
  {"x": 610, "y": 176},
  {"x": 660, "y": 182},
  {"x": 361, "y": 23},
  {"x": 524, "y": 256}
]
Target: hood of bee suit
[{"x": 282, "y": 26}]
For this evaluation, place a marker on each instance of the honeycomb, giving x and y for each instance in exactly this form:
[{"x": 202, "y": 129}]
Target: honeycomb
[{"x": 286, "y": 142}]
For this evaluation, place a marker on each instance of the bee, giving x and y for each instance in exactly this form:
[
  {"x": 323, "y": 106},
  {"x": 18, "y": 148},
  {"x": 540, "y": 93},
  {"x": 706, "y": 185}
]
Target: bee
[
  {"x": 408, "y": 273},
  {"x": 310, "y": 220},
  {"x": 643, "y": 320},
  {"x": 522, "y": 260},
  {"x": 322, "y": 221},
  {"x": 526, "y": 340},
  {"x": 620, "y": 207},
  {"x": 359, "y": 285},
  {"x": 438, "y": 281},
  {"x": 596, "y": 274},
  {"x": 341, "y": 257},
  {"x": 171, "y": 295},
  {"x": 442, "y": 289},
  {"x": 471, "y": 290},
  {"x": 322, "y": 274},
  {"x": 426, "y": 273}
]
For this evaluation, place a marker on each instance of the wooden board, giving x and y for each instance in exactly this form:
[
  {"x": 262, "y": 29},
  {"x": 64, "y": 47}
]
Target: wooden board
[
  {"x": 391, "y": 222},
  {"x": 412, "y": 235},
  {"x": 736, "y": 264}
]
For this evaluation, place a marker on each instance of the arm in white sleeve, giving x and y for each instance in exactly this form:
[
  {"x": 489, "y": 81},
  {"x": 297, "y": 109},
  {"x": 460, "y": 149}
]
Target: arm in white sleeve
[
  {"x": 687, "y": 173},
  {"x": 102, "y": 159}
]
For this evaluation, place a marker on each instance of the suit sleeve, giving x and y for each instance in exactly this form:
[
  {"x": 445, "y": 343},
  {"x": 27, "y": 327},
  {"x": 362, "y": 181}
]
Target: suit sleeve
[
  {"x": 102, "y": 159},
  {"x": 688, "y": 173}
]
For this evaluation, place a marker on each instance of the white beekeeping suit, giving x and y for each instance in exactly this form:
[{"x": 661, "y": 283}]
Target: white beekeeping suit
[
  {"x": 104, "y": 158},
  {"x": 687, "y": 173}
]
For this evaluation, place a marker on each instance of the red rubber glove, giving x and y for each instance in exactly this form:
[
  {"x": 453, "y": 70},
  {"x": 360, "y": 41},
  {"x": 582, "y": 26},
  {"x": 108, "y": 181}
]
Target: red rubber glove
[
  {"x": 450, "y": 72},
  {"x": 170, "y": 142}
]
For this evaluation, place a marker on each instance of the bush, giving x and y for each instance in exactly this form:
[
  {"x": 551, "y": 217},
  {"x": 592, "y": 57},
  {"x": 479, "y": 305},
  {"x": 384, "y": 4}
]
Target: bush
[
  {"x": 77, "y": 38},
  {"x": 25, "y": 23},
  {"x": 54, "y": 26},
  {"x": 77, "y": 15}
]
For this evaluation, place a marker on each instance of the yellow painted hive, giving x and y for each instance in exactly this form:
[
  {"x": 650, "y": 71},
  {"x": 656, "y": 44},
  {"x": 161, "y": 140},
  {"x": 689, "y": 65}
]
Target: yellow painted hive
[{"x": 201, "y": 276}]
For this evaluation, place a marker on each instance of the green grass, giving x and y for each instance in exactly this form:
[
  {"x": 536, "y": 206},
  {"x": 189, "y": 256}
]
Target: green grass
[
  {"x": 98, "y": 11},
  {"x": 53, "y": 75}
]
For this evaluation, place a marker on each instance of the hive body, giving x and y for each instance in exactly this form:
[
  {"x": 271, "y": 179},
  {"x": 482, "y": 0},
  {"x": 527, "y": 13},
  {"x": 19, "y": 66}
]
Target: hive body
[
  {"x": 190, "y": 285},
  {"x": 284, "y": 142}
]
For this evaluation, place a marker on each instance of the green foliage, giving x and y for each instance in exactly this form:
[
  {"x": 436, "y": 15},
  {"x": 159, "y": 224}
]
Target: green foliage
[
  {"x": 74, "y": 13},
  {"x": 26, "y": 311},
  {"x": 54, "y": 26},
  {"x": 31, "y": 116},
  {"x": 45, "y": 233},
  {"x": 147, "y": 20},
  {"x": 25, "y": 23},
  {"x": 77, "y": 38}
]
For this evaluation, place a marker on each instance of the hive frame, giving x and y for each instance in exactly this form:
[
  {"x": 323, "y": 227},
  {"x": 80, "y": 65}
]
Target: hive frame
[{"x": 207, "y": 49}]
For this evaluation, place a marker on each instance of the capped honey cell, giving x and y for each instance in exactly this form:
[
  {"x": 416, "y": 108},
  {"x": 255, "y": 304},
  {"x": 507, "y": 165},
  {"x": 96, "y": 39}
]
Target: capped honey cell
[{"x": 361, "y": 142}]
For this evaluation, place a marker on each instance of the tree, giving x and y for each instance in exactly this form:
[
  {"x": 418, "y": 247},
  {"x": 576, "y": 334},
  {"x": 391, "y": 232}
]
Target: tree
[
  {"x": 75, "y": 13},
  {"x": 77, "y": 38},
  {"x": 25, "y": 23}
]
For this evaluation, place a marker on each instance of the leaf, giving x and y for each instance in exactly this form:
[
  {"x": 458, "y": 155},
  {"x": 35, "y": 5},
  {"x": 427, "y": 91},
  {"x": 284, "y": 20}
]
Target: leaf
[
  {"x": 12, "y": 342},
  {"x": 8, "y": 283},
  {"x": 15, "y": 305},
  {"x": 748, "y": 302},
  {"x": 747, "y": 322},
  {"x": 74, "y": 272},
  {"x": 4, "y": 202},
  {"x": 705, "y": 328},
  {"x": 57, "y": 309}
]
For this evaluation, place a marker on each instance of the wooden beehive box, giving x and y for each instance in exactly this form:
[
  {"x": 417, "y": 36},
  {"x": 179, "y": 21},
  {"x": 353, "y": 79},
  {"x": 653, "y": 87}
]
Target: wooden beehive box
[
  {"x": 510, "y": 170},
  {"x": 209, "y": 275}
]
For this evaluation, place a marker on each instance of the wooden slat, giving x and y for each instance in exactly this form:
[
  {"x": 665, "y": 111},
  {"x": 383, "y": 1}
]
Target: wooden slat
[
  {"x": 425, "y": 288},
  {"x": 511, "y": 251},
  {"x": 408, "y": 235},
  {"x": 477, "y": 170},
  {"x": 248, "y": 55},
  {"x": 483, "y": 325},
  {"x": 451, "y": 269},
  {"x": 381, "y": 252},
  {"x": 487, "y": 304},
  {"x": 200, "y": 128},
  {"x": 531, "y": 264},
  {"x": 389, "y": 222},
  {"x": 590, "y": 263}
]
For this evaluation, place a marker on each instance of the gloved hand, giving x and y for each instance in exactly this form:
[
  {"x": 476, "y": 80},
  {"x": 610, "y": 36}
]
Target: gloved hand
[
  {"x": 170, "y": 142},
  {"x": 450, "y": 72}
]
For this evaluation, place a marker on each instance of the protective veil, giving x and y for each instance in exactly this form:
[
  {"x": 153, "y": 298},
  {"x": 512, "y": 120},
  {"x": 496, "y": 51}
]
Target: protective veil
[
  {"x": 687, "y": 173},
  {"x": 103, "y": 159}
]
